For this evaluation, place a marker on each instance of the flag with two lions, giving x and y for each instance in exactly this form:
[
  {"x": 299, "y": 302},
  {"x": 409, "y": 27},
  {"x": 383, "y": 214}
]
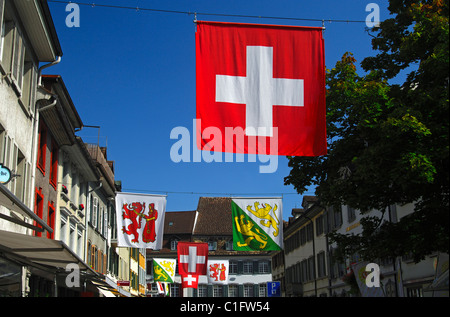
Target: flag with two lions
[{"x": 257, "y": 224}]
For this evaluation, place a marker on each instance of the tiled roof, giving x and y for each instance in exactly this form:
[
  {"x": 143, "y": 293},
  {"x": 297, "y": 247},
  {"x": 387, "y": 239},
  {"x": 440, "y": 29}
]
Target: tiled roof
[
  {"x": 214, "y": 216},
  {"x": 179, "y": 222}
]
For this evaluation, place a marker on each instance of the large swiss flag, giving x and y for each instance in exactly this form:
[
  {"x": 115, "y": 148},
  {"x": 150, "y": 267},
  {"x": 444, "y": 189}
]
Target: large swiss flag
[
  {"x": 192, "y": 258},
  {"x": 264, "y": 83}
]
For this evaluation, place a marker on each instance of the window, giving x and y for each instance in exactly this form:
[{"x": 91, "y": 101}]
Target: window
[
  {"x": 63, "y": 227},
  {"x": 311, "y": 269},
  {"x": 337, "y": 216},
  {"x": 74, "y": 185},
  {"x": 80, "y": 243},
  {"x": 303, "y": 236},
  {"x": 319, "y": 225},
  {"x": 18, "y": 58},
  {"x": 248, "y": 290},
  {"x": 321, "y": 268},
  {"x": 217, "y": 291},
  {"x": 89, "y": 253},
  {"x": 28, "y": 98},
  {"x": 229, "y": 245},
  {"x": 93, "y": 257},
  {"x": 309, "y": 231},
  {"x": 2, "y": 141},
  {"x": 174, "y": 290},
  {"x": 94, "y": 211},
  {"x": 21, "y": 181},
  {"x": 2, "y": 26},
  {"x": 42, "y": 147},
  {"x": 248, "y": 267},
  {"x": 304, "y": 266},
  {"x": 105, "y": 222},
  {"x": 100, "y": 220},
  {"x": 262, "y": 290},
  {"x": 212, "y": 245},
  {"x": 202, "y": 290},
  {"x": 173, "y": 244},
  {"x": 233, "y": 268},
  {"x": 54, "y": 164},
  {"x": 51, "y": 219},
  {"x": 263, "y": 267},
  {"x": 38, "y": 208},
  {"x": 232, "y": 290},
  {"x": 72, "y": 235},
  {"x": 351, "y": 214}
]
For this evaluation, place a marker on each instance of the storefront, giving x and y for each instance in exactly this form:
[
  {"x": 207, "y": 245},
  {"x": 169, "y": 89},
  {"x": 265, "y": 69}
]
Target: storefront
[{"x": 37, "y": 266}]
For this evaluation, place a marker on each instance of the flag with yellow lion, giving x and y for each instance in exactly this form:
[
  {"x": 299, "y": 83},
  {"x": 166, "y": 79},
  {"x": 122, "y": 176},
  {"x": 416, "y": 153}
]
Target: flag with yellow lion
[
  {"x": 257, "y": 224},
  {"x": 164, "y": 270}
]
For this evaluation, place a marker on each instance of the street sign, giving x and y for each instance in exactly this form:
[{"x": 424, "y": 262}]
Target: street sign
[
  {"x": 5, "y": 174},
  {"x": 274, "y": 289}
]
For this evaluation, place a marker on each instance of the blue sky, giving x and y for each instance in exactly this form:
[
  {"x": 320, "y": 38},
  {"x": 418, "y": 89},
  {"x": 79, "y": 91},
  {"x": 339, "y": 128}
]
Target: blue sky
[{"x": 133, "y": 74}]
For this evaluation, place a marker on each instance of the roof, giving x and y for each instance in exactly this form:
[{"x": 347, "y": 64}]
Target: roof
[
  {"x": 214, "y": 216},
  {"x": 179, "y": 222}
]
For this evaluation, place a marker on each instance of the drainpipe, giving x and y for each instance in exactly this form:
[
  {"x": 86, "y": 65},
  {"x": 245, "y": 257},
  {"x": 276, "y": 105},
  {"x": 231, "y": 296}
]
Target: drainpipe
[
  {"x": 58, "y": 59},
  {"x": 55, "y": 100},
  {"x": 35, "y": 129}
]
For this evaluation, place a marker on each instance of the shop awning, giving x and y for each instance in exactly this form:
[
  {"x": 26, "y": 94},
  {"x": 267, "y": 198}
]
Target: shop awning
[
  {"x": 53, "y": 255},
  {"x": 10, "y": 201}
]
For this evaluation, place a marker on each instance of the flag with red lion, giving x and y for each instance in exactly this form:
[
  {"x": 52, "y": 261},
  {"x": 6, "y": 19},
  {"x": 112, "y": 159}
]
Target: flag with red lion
[
  {"x": 140, "y": 220},
  {"x": 218, "y": 271}
]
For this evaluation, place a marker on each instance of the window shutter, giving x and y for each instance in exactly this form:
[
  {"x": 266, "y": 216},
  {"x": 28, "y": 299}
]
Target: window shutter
[
  {"x": 2, "y": 30},
  {"x": 240, "y": 290},
  {"x": 256, "y": 290},
  {"x": 240, "y": 267},
  {"x": 95, "y": 211},
  {"x": 18, "y": 59},
  {"x": 225, "y": 291},
  {"x": 210, "y": 290},
  {"x": 255, "y": 267}
]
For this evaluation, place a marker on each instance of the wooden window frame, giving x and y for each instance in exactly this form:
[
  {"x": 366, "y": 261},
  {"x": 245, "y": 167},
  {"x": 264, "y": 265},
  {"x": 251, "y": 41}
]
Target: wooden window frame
[
  {"x": 42, "y": 147},
  {"x": 38, "y": 209}
]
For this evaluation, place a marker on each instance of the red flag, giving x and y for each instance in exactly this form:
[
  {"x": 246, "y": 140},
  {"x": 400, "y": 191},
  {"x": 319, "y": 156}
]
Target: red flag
[
  {"x": 192, "y": 258},
  {"x": 189, "y": 281},
  {"x": 266, "y": 84}
]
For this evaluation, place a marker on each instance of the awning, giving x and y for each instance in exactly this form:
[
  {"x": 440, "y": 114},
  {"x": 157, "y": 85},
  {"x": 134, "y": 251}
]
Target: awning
[
  {"x": 43, "y": 253},
  {"x": 10, "y": 201}
]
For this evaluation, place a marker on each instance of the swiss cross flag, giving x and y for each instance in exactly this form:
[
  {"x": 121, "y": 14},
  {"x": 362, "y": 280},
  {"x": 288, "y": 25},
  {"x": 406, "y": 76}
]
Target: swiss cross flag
[
  {"x": 260, "y": 89},
  {"x": 189, "y": 281},
  {"x": 192, "y": 258}
]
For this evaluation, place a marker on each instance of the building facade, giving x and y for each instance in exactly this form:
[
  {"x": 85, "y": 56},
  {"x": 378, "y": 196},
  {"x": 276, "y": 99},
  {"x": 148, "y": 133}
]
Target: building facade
[
  {"x": 211, "y": 223},
  {"x": 306, "y": 252},
  {"x": 310, "y": 269}
]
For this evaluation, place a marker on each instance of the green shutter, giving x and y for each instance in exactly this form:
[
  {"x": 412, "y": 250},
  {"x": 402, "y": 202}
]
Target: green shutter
[
  {"x": 255, "y": 267},
  {"x": 256, "y": 290},
  {"x": 240, "y": 266},
  {"x": 240, "y": 290},
  {"x": 225, "y": 291}
]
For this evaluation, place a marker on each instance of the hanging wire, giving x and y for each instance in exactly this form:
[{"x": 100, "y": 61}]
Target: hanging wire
[
  {"x": 205, "y": 13},
  {"x": 215, "y": 194}
]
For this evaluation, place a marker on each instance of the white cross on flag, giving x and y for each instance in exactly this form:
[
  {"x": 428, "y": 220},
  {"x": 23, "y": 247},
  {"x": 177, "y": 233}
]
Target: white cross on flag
[
  {"x": 189, "y": 281},
  {"x": 267, "y": 81},
  {"x": 192, "y": 258}
]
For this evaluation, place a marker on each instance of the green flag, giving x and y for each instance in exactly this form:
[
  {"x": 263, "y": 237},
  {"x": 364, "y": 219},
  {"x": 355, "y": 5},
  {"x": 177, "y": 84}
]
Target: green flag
[
  {"x": 164, "y": 270},
  {"x": 257, "y": 224}
]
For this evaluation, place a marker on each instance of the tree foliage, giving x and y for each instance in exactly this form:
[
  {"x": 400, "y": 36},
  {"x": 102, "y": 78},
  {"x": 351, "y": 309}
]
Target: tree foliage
[{"x": 388, "y": 143}]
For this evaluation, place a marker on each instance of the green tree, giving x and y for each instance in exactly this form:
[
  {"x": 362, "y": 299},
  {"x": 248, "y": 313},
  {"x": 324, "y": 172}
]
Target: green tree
[{"x": 388, "y": 143}]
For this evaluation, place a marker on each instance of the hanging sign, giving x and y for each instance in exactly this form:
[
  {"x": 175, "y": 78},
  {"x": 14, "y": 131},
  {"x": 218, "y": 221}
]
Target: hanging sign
[{"x": 5, "y": 174}]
